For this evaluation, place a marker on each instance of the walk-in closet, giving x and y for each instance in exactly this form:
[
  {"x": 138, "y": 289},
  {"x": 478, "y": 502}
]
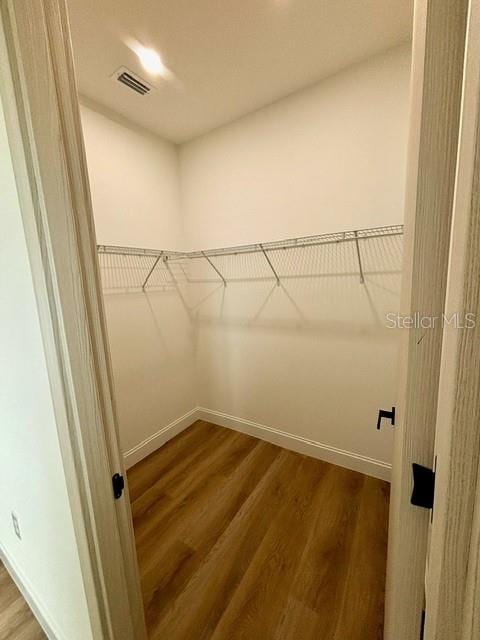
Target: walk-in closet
[{"x": 247, "y": 165}]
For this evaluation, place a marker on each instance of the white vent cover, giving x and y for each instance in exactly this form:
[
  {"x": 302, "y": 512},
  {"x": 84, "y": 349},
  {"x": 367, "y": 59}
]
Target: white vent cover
[{"x": 132, "y": 81}]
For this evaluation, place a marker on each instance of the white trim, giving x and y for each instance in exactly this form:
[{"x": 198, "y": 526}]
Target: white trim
[
  {"x": 158, "y": 439},
  {"x": 312, "y": 448},
  {"x": 39, "y": 97},
  {"x": 42, "y": 616},
  {"x": 347, "y": 459}
]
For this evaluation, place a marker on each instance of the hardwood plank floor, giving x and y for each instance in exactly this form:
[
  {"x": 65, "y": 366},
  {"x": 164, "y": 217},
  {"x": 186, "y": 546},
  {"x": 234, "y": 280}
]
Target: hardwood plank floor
[
  {"x": 17, "y": 622},
  {"x": 240, "y": 539}
]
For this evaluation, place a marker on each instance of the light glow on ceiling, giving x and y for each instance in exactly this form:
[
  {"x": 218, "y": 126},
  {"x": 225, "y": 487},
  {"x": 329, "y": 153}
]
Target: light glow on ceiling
[{"x": 150, "y": 59}]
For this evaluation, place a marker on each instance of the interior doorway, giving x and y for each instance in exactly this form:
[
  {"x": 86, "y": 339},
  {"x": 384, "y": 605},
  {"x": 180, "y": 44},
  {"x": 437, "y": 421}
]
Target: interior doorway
[
  {"x": 250, "y": 234},
  {"x": 205, "y": 331}
]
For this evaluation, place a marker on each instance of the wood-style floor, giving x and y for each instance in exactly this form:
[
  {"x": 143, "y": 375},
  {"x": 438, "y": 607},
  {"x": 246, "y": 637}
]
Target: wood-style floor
[
  {"x": 16, "y": 620},
  {"x": 240, "y": 539}
]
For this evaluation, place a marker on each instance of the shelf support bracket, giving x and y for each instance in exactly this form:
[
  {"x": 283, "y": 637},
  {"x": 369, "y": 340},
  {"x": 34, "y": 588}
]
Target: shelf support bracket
[
  {"x": 214, "y": 268},
  {"x": 151, "y": 271},
  {"x": 270, "y": 264},
  {"x": 360, "y": 268},
  {"x": 176, "y": 285}
]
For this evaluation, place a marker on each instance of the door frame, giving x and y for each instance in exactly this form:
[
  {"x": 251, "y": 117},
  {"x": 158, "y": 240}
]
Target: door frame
[
  {"x": 39, "y": 96},
  {"x": 436, "y": 96},
  {"x": 453, "y": 574}
]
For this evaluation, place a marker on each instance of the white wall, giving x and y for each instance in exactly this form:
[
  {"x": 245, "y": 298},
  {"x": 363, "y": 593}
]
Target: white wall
[
  {"x": 134, "y": 183},
  {"x": 313, "y": 357},
  {"x": 32, "y": 480},
  {"x": 152, "y": 345},
  {"x": 135, "y": 192},
  {"x": 329, "y": 158}
]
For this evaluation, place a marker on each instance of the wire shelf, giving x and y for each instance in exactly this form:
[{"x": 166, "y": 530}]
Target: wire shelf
[{"x": 131, "y": 268}]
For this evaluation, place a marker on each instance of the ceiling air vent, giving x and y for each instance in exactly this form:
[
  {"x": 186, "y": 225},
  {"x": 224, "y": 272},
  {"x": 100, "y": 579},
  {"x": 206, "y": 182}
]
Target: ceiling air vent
[{"x": 132, "y": 81}]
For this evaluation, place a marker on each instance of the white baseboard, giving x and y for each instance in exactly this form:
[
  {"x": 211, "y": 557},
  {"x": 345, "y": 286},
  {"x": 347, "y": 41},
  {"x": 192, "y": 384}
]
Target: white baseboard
[
  {"x": 42, "y": 617},
  {"x": 353, "y": 461},
  {"x": 348, "y": 459},
  {"x": 158, "y": 439}
]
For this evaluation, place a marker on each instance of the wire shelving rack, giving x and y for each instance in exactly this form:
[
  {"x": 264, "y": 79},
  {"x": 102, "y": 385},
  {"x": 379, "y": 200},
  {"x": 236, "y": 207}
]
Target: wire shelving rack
[{"x": 140, "y": 268}]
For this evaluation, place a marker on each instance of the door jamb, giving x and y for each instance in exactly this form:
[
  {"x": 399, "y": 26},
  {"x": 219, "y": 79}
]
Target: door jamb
[
  {"x": 45, "y": 136},
  {"x": 436, "y": 85},
  {"x": 453, "y": 575}
]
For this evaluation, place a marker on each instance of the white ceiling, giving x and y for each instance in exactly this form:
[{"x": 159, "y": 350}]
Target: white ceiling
[{"x": 228, "y": 57}]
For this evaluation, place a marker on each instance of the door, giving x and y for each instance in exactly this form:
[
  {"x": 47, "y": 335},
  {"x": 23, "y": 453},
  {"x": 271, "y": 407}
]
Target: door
[
  {"x": 40, "y": 101},
  {"x": 436, "y": 90}
]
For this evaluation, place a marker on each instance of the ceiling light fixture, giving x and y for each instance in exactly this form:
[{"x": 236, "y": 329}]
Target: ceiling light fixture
[{"x": 151, "y": 61}]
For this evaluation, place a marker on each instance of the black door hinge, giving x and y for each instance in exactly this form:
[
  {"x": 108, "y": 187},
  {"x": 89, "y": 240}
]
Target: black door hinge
[
  {"x": 423, "y": 486},
  {"x": 389, "y": 415},
  {"x": 118, "y": 484}
]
